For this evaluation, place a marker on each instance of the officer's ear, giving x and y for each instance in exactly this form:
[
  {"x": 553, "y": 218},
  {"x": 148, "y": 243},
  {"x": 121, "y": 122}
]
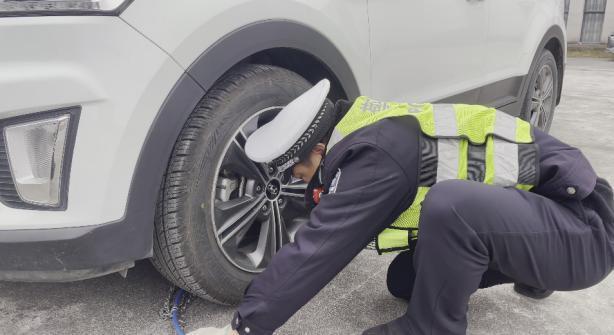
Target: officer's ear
[{"x": 319, "y": 149}]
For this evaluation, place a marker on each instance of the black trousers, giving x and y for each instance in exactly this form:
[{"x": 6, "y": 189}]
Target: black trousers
[
  {"x": 473, "y": 235},
  {"x": 402, "y": 275}
]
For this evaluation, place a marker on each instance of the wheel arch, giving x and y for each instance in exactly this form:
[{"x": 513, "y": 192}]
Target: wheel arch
[
  {"x": 554, "y": 41},
  {"x": 286, "y": 44},
  {"x": 555, "y": 46}
]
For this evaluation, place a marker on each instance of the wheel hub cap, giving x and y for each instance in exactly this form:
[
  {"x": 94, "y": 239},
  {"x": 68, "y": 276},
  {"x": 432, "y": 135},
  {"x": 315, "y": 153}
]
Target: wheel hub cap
[{"x": 272, "y": 189}]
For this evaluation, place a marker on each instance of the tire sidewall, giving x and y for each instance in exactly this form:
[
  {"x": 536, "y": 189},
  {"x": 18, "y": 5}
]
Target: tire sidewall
[{"x": 220, "y": 276}]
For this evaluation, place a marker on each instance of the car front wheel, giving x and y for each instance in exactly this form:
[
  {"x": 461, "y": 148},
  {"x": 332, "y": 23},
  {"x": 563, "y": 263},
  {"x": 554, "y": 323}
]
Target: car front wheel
[{"x": 220, "y": 216}]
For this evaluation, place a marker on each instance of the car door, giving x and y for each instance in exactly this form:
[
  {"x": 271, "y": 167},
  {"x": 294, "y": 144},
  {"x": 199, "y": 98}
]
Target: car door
[
  {"x": 426, "y": 50},
  {"x": 514, "y": 26}
]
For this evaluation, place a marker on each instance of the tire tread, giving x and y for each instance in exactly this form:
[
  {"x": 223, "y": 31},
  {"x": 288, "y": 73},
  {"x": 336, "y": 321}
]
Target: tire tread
[{"x": 170, "y": 240}]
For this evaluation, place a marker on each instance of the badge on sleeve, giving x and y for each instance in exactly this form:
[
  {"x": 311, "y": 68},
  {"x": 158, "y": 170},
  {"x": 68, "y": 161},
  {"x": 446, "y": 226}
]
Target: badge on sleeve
[{"x": 333, "y": 185}]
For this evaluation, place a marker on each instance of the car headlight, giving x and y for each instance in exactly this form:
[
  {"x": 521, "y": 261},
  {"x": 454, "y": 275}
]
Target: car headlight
[
  {"x": 62, "y": 7},
  {"x": 37, "y": 151}
]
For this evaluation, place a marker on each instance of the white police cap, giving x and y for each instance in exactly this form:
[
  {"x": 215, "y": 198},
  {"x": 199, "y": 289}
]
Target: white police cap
[{"x": 295, "y": 130}]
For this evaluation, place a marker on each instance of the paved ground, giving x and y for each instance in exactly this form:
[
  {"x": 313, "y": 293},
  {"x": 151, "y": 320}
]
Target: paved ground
[{"x": 357, "y": 298}]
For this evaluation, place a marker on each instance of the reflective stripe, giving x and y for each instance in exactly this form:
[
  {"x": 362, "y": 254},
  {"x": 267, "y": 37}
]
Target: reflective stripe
[
  {"x": 489, "y": 175},
  {"x": 335, "y": 137},
  {"x": 506, "y": 163},
  {"x": 463, "y": 153},
  {"x": 447, "y": 152},
  {"x": 445, "y": 120},
  {"x": 505, "y": 126}
]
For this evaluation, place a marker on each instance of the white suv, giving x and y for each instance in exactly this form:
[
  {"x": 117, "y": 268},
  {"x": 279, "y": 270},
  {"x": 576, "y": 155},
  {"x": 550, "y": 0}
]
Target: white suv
[{"x": 123, "y": 122}]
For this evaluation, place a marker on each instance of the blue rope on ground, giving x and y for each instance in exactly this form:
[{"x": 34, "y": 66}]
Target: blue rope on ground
[{"x": 175, "y": 312}]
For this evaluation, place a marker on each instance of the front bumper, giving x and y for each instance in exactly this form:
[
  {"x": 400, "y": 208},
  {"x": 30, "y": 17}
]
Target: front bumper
[
  {"x": 68, "y": 254},
  {"x": 119, "y": 79},
  {"x": 115, "y": 75}
]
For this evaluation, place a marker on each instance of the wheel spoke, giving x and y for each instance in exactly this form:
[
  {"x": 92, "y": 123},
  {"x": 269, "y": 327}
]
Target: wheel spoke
[
  {"x": 297, "y": 186},
  {"x": 257, "y": 256},
  {"x": 281, "y": 231},
  {"x": 241, "y": 137},
  {"x": 294, "y": 190},
  {"x": 545, "y": 115},
  {"x": 294, "y": 226},
  {"x": 236, "y": 215},
  {"x": 547, "y": 88},
  {"x": 268, "y": 241},
  {"x": 292, "y": 194},
  {"x": 535, "y": 117},
  {"x": 273, "y": 235},
  {"x": 237, "y": 161},
  {"x": 542, "y": 78},
  {"x": 294, "y": 216}
]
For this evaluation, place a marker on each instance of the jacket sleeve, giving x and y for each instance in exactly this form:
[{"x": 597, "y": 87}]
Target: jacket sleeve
[
  {"x": 564, "y": 172},
  {"x": 371, "y": 189}
]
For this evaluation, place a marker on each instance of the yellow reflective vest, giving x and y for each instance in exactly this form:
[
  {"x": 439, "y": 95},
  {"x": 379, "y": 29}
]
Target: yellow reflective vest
[{"x": 466, "y": 142}]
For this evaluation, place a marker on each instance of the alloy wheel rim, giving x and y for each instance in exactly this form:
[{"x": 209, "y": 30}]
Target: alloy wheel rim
[
  {"x": 256, "y": 209},
  {"x": 542, "y": 98}
]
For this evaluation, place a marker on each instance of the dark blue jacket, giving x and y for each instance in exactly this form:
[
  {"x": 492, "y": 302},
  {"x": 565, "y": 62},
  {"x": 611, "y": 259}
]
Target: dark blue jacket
[{"x": 377, "y": 171}]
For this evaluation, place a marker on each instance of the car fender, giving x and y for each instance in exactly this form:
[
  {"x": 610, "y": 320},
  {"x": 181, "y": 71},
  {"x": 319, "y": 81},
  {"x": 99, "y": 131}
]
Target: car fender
[{"x": 190, "y": 89}]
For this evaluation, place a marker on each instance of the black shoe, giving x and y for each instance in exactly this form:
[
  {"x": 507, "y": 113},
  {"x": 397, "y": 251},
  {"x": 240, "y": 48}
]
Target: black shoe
[
  {"x": 532, "y": 292},
  {"x": 394, "y": 327}
]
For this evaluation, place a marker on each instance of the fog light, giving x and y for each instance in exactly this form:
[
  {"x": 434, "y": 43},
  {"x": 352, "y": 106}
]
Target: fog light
[{"x": 35, "y": 152}]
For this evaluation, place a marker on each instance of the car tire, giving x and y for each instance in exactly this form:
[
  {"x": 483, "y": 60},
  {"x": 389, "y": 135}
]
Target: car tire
[
  {"x": 187, "y": 250},
  {"x": 542, "y": 92}
]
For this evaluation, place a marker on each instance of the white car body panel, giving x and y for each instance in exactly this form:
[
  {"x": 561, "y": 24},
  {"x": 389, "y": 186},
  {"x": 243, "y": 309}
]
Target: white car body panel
[
  {"x": 515, "y": 30},
  {"x": 192, "y": 26},
  {"x": 426, "y": 50},
  {"x": 70, "y": 64}
]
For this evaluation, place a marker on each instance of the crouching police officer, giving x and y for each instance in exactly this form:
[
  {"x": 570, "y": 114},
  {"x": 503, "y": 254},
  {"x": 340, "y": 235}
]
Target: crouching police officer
[{"x": 495, "y": 201}]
